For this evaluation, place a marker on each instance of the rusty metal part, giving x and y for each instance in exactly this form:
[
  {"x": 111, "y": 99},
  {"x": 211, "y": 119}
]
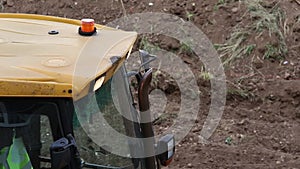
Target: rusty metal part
[{"x": 146, "y": 124}]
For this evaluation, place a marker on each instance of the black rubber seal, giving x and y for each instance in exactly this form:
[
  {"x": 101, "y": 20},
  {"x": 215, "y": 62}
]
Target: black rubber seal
[
  {"x": 53, "y": 32},
  {"x": 87, "y": 33}
]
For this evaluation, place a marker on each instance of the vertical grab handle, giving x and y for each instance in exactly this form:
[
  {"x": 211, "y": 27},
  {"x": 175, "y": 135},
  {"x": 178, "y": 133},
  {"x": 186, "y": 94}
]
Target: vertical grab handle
[{"x": 145, "y": 116}]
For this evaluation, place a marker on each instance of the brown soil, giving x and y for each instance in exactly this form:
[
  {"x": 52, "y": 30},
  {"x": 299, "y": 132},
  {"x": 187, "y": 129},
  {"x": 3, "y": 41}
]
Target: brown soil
[{"x": 262, "y": 113}]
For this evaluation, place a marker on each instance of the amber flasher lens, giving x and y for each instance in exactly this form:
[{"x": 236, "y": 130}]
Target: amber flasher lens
[{"x": 87, "y": 25}]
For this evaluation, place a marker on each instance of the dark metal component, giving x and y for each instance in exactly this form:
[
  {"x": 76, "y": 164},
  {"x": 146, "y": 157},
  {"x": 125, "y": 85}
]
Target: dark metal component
[
  {"x": 11, "y": 120},
  {"x": 45, "y": 159},
  {"x": 146, "y": 127},
  {"x": 96, "y": 166},
  {"x": 32, "y": 140},
  {"x": 143, "y": 91},
  {"x": 129, "y": 112},
  {"x": 87, "y": 165},
  {"x": 60, "y": 154},
  {"x": 146, "y": 59},
  {"x": 53, "y": 32},
  {"x": 64, "y": 154},
  {"x": 144, "y": 56},
  {"x": 115, "y": 59},
  {"x": 131, "y": 73},
  {"x": 66, "y": 111},
  {"x": 139, "y": 77},
  {"x": 163, "y": 148}
]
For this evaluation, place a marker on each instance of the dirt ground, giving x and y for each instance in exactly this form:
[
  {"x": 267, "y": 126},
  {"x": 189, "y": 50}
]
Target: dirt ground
[{"x": 260, "y": 127}]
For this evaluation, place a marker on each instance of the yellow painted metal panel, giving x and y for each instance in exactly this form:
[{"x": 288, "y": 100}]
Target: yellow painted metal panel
[{"x": 36, "y": 64}]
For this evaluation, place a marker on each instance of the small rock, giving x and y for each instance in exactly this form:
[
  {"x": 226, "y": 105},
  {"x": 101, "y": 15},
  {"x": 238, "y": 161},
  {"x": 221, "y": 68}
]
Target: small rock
[
  {"x": 296, "y": 28},
  {"x": 268, "y": 4},
  {"x": 208, "y": 9},
  {"x": 170, "y": 43},
  {"x": 190, "y": 165},
  {"x": 150, "y": 4},
  {"x": 240, "y": 136},
  {"x": 177, "y": 10},
  {"x": 238, "y": 19},
  {"x": 278, "y": 162},
  {"x": 258, "y": 64},
  {"x": 211, "y": 160},
  {"x": 287, "y": 76},
  {"x": 61, "y": 5},
  {"x": 10, "y": 3},
  {"x": 243, "y": 122},
  {"x": 275, "y": 146},
  {"x": 272, "y": 97},
  {"x": 234, "y": 10},
  {"x": 196, "y": 130}
]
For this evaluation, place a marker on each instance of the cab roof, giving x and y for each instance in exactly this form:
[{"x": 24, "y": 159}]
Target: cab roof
[{"x": 35, "y": 63}]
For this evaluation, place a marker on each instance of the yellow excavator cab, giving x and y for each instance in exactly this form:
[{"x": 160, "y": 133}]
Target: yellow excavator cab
[
  {"x": 40, "y": 55},
  {"x": 59, "y": 79}
]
